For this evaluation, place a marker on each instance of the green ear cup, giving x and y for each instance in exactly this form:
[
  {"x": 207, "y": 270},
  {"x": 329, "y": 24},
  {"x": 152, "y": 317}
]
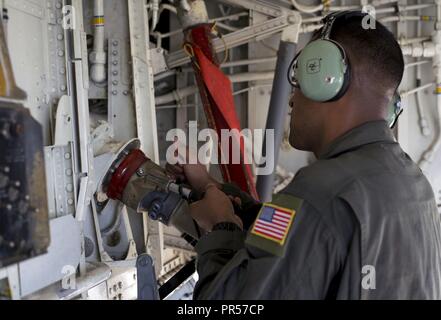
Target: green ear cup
[{"x": 320, "y": 70}]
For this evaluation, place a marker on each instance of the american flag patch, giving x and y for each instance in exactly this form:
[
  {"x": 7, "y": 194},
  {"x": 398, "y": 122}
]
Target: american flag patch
[{"x": 273, "y": 223}]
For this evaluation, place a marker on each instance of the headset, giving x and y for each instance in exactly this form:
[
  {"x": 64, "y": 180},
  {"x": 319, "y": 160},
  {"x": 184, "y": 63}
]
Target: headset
[{"x": 322, "y": 70}]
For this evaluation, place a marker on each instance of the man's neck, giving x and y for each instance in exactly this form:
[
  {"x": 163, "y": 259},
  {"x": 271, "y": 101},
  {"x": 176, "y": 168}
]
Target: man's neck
[{"x": 331, "y": 133}]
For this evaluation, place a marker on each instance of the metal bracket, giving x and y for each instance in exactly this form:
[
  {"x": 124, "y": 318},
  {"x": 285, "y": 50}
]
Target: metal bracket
[
  {"x": 281, "y": 19},
  {"x": 147, "y": 286}
]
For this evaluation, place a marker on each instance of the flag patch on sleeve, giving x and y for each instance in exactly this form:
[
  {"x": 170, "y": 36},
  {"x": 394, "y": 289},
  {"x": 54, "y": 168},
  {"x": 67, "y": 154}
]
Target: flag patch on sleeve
[{"x": 273, "y": 223}]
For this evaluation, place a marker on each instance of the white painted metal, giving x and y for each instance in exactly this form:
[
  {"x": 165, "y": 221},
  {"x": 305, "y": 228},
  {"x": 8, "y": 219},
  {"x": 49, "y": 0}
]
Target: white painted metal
[{"x": 145, "y": 110}]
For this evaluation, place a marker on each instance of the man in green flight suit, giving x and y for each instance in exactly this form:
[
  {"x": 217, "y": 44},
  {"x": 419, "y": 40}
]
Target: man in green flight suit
[{"x": 359, "y": 223}]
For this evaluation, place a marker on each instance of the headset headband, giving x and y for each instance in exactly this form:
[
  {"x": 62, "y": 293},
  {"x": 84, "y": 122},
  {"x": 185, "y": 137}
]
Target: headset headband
[{"x": 330, "y": 19}]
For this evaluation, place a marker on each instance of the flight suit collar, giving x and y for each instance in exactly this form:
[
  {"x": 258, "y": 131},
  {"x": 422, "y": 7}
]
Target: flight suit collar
[{"x": 367, "y": 133}]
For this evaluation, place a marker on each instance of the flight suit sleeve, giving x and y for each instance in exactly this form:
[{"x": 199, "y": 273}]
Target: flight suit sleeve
[
  {"x": 231, "y": 267},
  {"x": 249, "y": 207}
]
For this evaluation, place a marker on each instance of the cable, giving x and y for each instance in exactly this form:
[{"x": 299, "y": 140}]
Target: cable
[
  {"x": 216, "y": 32},
  {"x": 189, "y": 51}
]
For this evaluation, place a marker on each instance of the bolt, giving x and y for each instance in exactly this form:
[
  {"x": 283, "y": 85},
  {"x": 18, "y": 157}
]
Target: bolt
[
  {"x": 115, "y": 62},
  {"x": 69, "y": 172},
  {"x": 115, "y": 53},
  {"x": 115, "y": 43},
  {"x": 70, "y": 202},
  {"x": 63, "y": 88},
  {"x": 292, "y": 19},
  {"x": 114, "y": 92},
  {"x": 60, "y": 53},
  {"x": 125, "y": 92},
  {"x": 115, "y": 73},
  {"x": 115, "y": 82},
  {"x": 13, "y": 194},
  {"x": 60, "y": 37},
  {"x": 4, "y": 180},
  {"x": 67, "y": 156}
]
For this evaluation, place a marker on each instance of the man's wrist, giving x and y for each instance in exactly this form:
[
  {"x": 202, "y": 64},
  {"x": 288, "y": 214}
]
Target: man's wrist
[{"x": 226, "y": 226}]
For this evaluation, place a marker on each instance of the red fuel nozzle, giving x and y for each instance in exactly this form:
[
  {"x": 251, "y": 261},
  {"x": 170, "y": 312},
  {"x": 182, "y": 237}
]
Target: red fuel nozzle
[{"x": 124, "y": 172}]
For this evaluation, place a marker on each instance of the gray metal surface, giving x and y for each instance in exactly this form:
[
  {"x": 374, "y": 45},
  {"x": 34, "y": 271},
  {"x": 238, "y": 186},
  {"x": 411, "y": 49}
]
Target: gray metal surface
[
  {"x": 60, "y": 180},
  {"x": 277, "y": 113},
  {"x": 147, "y": 285},
  {"x": 63, "y": 254}
]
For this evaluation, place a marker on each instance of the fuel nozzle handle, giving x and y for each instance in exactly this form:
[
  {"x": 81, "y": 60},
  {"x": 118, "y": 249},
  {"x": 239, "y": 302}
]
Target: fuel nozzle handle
[{"x": 185, "y": 192}]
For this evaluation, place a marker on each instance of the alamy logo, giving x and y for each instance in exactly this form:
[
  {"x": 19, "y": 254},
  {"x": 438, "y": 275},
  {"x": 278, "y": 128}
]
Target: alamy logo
[
  {"x": 69, "y": 18},
  {"x": 236, "y": 147},
  {"x": 369, "y": 21},
  {"x": 368, "y": 281},
  {"x": 69, "y": 278}
]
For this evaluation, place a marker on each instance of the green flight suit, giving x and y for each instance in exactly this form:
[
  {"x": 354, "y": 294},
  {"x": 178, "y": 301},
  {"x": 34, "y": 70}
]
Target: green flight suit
[{"x": 366, "y": 226}]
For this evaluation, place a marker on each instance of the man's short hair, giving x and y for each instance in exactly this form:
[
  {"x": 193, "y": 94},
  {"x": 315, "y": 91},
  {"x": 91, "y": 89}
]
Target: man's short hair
[{"x": 374, "y": 51}]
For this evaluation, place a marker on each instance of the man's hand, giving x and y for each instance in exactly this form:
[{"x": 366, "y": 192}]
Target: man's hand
[
  {"x": 214, "y": 208},
  {"x": 196, "y": 175}
]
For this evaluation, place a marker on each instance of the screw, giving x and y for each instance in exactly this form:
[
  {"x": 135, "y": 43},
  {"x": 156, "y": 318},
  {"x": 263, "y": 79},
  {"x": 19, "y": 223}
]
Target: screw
[{"x": 292, "y": 19}]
